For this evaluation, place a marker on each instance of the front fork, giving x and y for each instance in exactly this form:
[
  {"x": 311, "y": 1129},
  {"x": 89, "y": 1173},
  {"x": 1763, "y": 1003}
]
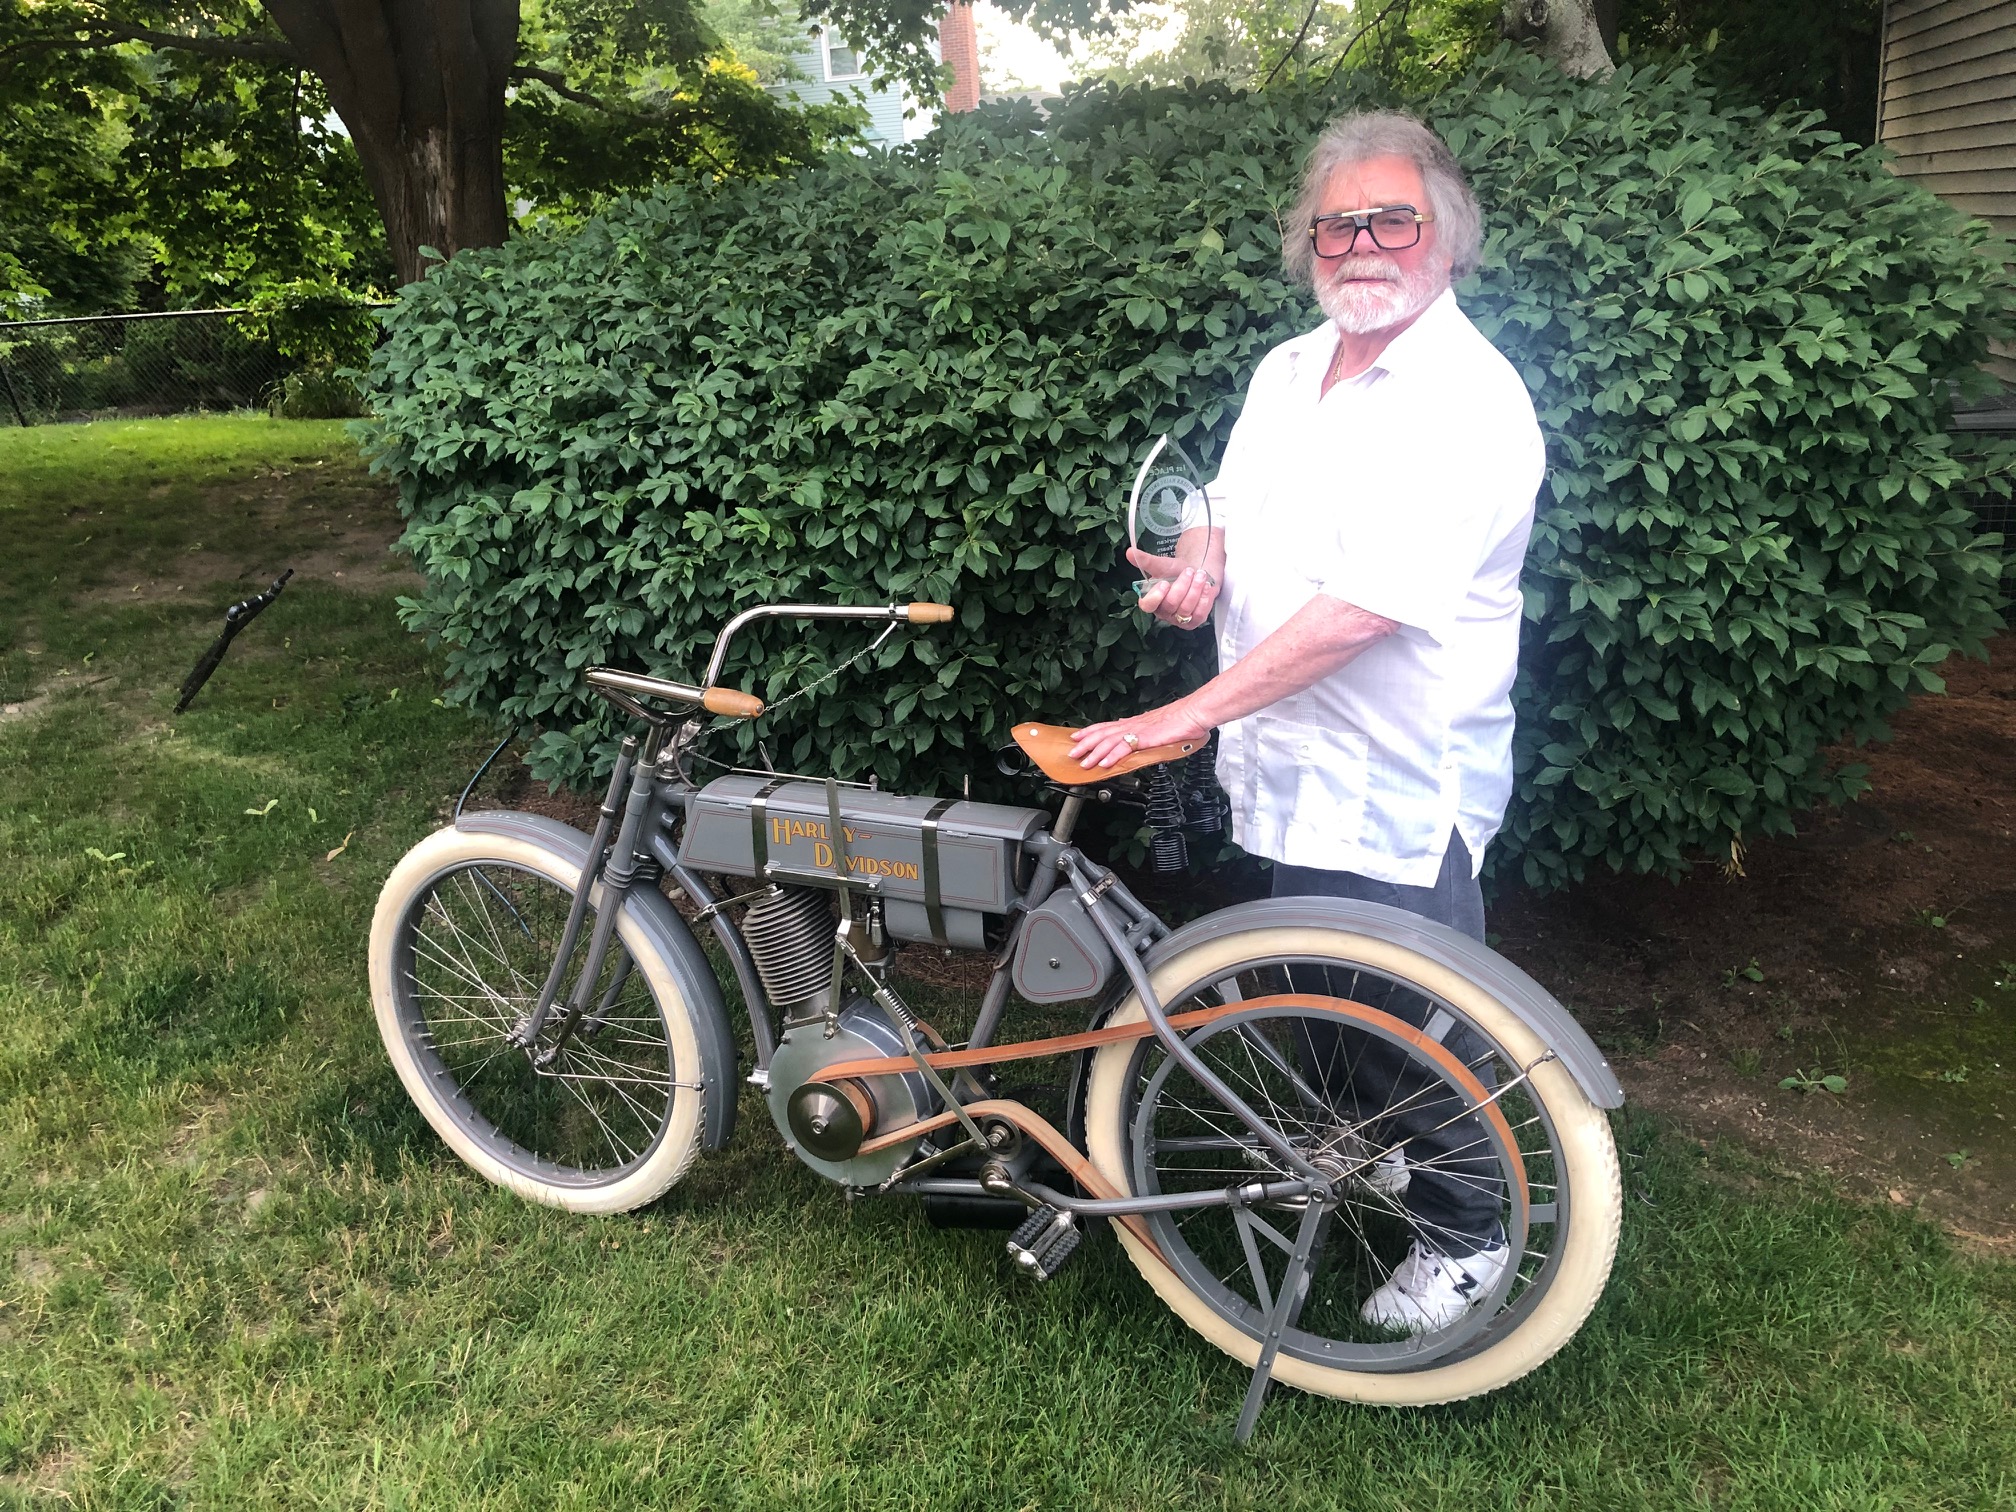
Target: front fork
[{"x": 617, "y": 870}]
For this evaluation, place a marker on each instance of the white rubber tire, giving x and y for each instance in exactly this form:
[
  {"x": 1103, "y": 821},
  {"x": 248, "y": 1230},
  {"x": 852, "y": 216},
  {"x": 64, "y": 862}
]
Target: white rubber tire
[
  {"x": 679, "y": 1147},
  {"x": 1588, "y": 1154}
]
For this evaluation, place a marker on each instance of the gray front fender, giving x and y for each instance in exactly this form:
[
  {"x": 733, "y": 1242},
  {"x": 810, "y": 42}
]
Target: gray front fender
[
  {"x": 675, "y": 944},
  {"x": 1534, "y": 1005}
]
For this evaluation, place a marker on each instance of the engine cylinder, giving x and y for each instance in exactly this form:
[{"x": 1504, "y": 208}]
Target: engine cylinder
[{"x": 790, "y": 937}]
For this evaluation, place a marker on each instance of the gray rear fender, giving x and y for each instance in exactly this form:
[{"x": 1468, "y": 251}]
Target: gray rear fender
[
  {"x": 1533, "y": 1004},
  {"x": 675, "y": 944}
]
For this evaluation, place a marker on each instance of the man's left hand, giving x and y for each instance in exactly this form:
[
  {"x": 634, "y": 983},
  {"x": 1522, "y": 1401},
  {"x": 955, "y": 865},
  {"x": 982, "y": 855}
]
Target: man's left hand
[{"x": 1107, "y": 744}]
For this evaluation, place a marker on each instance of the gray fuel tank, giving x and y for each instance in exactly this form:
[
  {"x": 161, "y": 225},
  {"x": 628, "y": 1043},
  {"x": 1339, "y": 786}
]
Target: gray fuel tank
[{"x": 750, "y": 825}]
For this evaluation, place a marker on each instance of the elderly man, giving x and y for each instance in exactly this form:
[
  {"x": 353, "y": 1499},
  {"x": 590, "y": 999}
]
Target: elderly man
[{"x": 1370, "y": 518}]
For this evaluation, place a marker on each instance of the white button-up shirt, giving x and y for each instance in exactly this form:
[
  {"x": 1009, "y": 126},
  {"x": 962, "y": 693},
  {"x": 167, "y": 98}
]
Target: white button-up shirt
[{"x": 1407, "y": 491}]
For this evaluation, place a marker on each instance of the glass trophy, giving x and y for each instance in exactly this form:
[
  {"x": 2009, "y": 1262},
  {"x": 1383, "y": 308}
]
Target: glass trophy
[{"x": 1169, "y": 497}]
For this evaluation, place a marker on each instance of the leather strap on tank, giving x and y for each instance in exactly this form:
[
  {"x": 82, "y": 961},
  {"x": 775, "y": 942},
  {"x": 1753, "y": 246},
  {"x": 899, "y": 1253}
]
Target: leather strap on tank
[
  {"x": 838, "y": 835},
  {"x": 934, "y": 904},
  {"x": 759, "y": 827}
]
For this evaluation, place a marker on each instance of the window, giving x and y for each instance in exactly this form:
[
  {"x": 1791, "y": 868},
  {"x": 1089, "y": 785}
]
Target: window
[{"x": 842, "y": 61}]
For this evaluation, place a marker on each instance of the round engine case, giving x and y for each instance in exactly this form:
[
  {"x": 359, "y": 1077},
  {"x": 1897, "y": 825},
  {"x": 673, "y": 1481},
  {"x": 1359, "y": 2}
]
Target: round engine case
[{"x": 865, "y": 1033}]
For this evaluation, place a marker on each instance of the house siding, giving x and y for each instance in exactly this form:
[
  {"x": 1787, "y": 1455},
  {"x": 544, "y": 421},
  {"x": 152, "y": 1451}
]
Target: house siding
[
  {"x": 886, "y": 124},
  {"x": 1947, "y": 108}
]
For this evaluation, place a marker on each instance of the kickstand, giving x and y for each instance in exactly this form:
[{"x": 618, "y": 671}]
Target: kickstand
[{"x": 1288, "y": 1300}]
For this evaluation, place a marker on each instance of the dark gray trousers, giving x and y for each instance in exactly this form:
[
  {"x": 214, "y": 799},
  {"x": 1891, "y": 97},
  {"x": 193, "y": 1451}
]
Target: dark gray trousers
[{"x": 1455, "y": 1194}]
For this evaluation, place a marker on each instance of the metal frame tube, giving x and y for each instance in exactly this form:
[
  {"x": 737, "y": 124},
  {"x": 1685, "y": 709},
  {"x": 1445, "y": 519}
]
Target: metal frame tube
[
  {"x": 1165, "y": 1033},
  {"x": 1166, "y": 1202}
]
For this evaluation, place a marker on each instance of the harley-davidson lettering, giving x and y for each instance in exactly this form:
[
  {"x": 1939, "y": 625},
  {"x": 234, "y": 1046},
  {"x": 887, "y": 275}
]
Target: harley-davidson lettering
[
  {"x": 877, "y": 866},
  {"x": 784, "y": 831}
]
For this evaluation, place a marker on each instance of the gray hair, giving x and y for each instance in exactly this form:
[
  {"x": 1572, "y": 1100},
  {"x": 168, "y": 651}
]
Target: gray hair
[{"x": 1366, "y": 134}]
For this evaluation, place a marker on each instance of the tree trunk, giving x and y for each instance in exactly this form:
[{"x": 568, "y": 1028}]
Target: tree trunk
[
  {"x": 1563, "y": 30},
  {"x": 419, "y": 85}
]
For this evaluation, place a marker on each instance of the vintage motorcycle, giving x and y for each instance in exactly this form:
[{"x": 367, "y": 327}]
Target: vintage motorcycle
[{"x": 555, "y": 1018}]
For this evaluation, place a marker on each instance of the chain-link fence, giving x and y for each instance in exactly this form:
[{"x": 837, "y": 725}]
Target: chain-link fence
[
  {"x": 1977, "y": 428},
  {"x": 153, "y": 364}
]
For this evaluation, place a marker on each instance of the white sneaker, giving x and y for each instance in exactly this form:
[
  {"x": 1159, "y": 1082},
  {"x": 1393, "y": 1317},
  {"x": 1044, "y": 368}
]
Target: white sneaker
[
  {"x": 1387, "y": 1176},
  {"x": 1428, "y": 1290}
]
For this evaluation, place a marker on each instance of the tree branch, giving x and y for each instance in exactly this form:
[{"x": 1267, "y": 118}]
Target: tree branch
[
  {"x": 1300, "y": 33},
  {"x": 108, "y": 33},
  {"x": 559, "y": 85},
  {"x": 1344, "y": 54}
]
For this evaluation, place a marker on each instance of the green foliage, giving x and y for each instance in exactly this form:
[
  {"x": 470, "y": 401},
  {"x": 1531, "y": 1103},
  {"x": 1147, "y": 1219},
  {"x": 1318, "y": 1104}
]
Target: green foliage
[
  {"x": 318, "y": 393},
  {"x": 653, "y": 91},
  {"x": 926, "y": 374},
  {"x": 1823, "y": 54},
  {"x": 58, "y": 185},
  {"x": 239, "y": 177},
  {"x": 327, "y": 333},
  {"x": 565, "y": 160},
  {"x": 1416, "y": 46},
  {"x": 154, "y": 174},
  {"x": 1739, "y": 333},
  {"x": 315, "y": 323},
  {"x": 1234, "y": 40},
  {"x": 136, "y": 178}
]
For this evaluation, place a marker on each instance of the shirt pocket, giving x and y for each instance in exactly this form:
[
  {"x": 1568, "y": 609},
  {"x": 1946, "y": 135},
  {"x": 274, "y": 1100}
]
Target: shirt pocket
[{"x": 1312, "y": 788}]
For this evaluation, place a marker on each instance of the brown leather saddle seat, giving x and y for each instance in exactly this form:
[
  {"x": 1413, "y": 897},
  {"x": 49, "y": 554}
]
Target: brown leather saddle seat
[{"x": 1049, "y": 746}]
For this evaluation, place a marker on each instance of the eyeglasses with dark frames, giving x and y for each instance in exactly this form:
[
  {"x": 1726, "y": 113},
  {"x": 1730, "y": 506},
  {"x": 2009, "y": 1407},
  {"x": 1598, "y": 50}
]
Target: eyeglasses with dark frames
[{"x": 1393, "y": 228}]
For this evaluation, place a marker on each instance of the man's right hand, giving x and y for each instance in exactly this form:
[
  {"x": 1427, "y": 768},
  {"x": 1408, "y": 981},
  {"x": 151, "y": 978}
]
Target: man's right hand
[{"x": 1177, "y": 594}]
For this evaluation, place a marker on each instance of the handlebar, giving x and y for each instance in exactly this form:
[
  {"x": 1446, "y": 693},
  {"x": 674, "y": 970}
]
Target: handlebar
[
  {"x": 716, "y": 699},
  {"x": 713, "y": 699},
  {"x": 916, "y": 614}
]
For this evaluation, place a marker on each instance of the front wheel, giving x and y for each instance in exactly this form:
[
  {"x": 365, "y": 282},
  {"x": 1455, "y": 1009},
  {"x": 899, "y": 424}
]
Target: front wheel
[
  {"x": 1444, "y": 1121},
  {"x": 466, "y": 930}
]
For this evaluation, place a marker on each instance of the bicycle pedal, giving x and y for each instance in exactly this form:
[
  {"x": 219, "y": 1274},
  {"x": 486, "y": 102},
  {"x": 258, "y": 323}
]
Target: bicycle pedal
[{"x": 1045, "y": 1241}]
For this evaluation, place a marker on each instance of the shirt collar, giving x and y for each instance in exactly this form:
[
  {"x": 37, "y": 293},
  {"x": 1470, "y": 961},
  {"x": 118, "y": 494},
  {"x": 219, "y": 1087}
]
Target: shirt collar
[{"x": 1419, "y": 343}]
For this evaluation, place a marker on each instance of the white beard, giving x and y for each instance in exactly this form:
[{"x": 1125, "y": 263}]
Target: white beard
[{"x": 1361, "y": 308}]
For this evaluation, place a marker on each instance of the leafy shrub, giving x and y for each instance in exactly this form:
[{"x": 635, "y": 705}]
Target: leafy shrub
[
  {"x": 926, "y": 374},
  {"x": 318, "y": 393},
  {"x": 314, "y": 322}
]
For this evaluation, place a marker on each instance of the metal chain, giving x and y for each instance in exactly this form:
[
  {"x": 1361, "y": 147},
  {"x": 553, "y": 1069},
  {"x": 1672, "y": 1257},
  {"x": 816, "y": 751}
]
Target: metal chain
[{"x": 725, "y": 723}]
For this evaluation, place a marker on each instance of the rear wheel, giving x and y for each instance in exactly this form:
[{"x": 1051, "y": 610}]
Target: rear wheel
[
  {"x": 466, "y": 929},
  {"x": 1441, "y": 1117}
]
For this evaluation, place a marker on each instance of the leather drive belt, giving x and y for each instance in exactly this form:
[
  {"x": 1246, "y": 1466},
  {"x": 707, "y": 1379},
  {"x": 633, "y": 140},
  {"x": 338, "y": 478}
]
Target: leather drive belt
[
  {"x": 934, "y": 903},
  {"x": 759, "y": 827}
]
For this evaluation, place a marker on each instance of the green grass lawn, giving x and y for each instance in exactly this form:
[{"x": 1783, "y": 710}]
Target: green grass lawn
[{"x": 236, "y": 1269}]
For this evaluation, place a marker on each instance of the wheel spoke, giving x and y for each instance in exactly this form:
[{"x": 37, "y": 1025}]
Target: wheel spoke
[
  {"x": 480, "y": 942},
  {"x": 1349, "y": 1090}
]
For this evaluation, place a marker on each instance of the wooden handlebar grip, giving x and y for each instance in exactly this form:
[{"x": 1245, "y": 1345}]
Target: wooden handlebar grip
[
  {"x": 930, "y": 614},
  {"x": 729, "y": 701}
]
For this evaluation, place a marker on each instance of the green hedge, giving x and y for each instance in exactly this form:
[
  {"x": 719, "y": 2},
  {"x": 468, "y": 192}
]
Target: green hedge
[{"x": 923, "y": 375}]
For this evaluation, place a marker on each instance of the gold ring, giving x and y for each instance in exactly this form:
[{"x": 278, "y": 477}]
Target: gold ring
[
  {"x": 1133, "y": 742},
  {"x": 1182, "y": 619}
]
